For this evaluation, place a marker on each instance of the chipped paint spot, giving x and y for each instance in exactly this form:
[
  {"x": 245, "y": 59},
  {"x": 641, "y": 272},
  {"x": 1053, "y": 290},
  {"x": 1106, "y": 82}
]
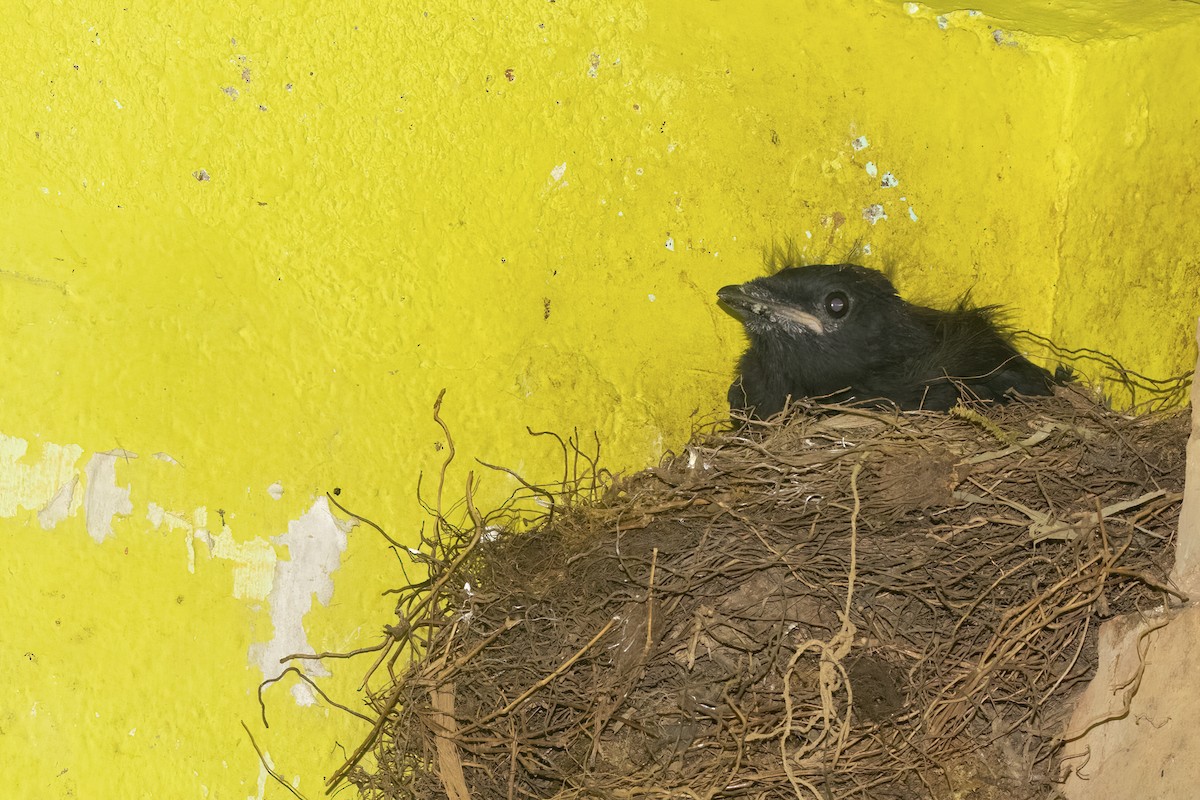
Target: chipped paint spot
[
  {"x": 201, "y": 175},
  {"x": 942, "y": 22},
  {"x": 557, "y": 173},
  {"x": 860, "y": 143},
  {"x": 265, "y": 767},
  {"x": 671, "y": 244},
  {"x": 31, "y": 486},
  {"x": 866, "y": 248},
  {"x": 315, "y": 543},
  {"x": 888, "y": 180},
  {"x": 103, "y": 499},
  {"x": 275, "y": 490},
  {"x": 254, "y": 563},
  {"x": 874, "y": 213},
  {"x": 167, "y": 458},
  {"x": 59, "y": 506},
  {"x": 912, "y": 214},
  {"x": 872, "y": 170},
  {"x": 911, "y": 8},
  {"x": 594, "y": 66},
  {"x": 651, "y": 298},
  {"x": 158, "y": 516},
  {"x": 304, "y": 695},
  {"x": 253, "y": 560}
]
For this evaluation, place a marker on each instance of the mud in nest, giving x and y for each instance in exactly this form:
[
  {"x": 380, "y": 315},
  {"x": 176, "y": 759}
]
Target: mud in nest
[{"x": 849, "y": 605}]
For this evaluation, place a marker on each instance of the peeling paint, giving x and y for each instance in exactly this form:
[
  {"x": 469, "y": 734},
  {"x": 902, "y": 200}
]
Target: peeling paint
[
  {"x": 253, "y": 560},
  {"x": 275, "y": 490},
  {"x": 265, "y": 767},
  {"x": 31, "y": 486},
  {"x": 888, "y": 180},
  {"x": 315, "y": 543},
  {"x": 860, "y": 143},
  {"x": 255, "y": 565},
  {"x": 872, "y": 170},
  {"x": 60, "y": 506},
  {"x": 103, "y": 499},
  {"x": 874, "y": 213}
]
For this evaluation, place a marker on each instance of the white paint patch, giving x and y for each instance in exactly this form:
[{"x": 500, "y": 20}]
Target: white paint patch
[
  {"x": 912, "y": 214},
  {"x": 31, "y": 486},
  {"x": 167, "y": 458},
  {"x": 593, "y": 65},
  {"x": 315, "y": 543},
  {"x": 103, "y": 499},
  {"x": 860, "y": 143},
  {"x": 671, "y": 244},
  {"x": 888, "y": 180},
  {"x": 808, "y": 234},
  {"x": 942, "y": 22},
  {"x": 59, "y": 506},
  {"x": 304, "y": 695},
  {"x": 651, "y": 298},
  {"x": 866, "y": 248},
  {"x": 275, "y": 490},
  {"x": 874, "y": 213},
  {"x": 911, "y": 8},
  {"x": 872, "y": 170},
  {"x": 557, "y": 173}
]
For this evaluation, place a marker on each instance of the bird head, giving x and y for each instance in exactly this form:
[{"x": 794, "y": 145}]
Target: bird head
[{"x": 823, "y": 306}]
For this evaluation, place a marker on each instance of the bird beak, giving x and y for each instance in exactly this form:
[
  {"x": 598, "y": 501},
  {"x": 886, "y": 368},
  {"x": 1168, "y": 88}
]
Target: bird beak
[{"x": 744, "y": 303}]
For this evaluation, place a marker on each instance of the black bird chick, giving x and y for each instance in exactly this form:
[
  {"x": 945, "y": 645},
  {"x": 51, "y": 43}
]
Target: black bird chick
[{"x": 839, "y": 332}]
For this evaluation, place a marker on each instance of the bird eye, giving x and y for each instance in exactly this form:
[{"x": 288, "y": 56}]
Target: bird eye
[{"x": 837, "y": 304}]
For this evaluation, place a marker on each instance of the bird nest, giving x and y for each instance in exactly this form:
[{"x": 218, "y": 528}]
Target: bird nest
[{"x": 845, "y": 605}]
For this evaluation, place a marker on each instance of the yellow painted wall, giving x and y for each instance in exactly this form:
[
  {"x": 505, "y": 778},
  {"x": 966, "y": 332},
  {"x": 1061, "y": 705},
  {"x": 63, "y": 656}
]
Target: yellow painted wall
[{"x": 241, "y": 250}]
